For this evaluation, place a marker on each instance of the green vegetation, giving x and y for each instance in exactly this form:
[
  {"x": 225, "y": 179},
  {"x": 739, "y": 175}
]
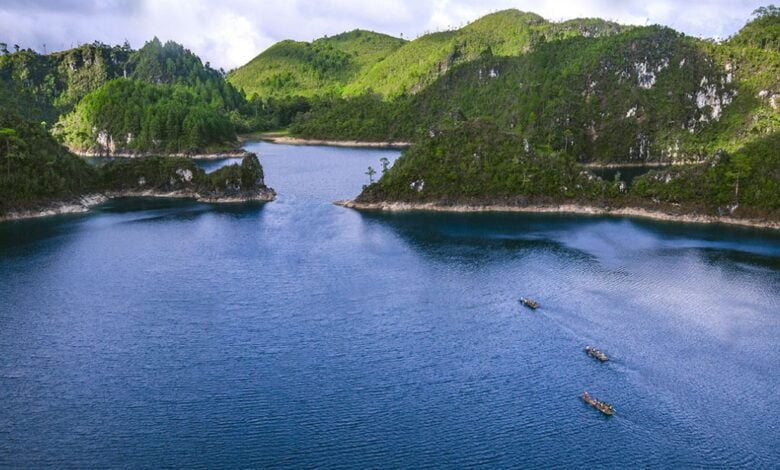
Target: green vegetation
[
  {"x": 476, "y": 162},
  {"x": 745, "y": 183},
  {"x": 34, "y": 168},
  {"x": 643, "y": 95},
  {"x": 165, "y": 175},
  {"x": 763, "y": 32},
  {"x": 363, "y": 62},
  {"x": 417, "y": 64},
  {"x": 322, "y": 67},
  {"x": 160, "y": 98},
  {"x": 126, "y": 116}
]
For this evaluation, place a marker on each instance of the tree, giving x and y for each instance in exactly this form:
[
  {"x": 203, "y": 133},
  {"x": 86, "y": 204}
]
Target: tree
[
  {"x": 16, "y": 47},
  {"x": 385, "y": 164},
  {"x": 11, "y": 140},
  {"x": 4, "y": 48},
  {"x": 769, "y": 10},
  {"x": 371, "y": 172}
]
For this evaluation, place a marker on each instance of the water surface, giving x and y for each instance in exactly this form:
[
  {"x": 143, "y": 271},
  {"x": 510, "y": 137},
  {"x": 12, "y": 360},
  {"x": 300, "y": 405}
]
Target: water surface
[{"x": 155, "y": 333}]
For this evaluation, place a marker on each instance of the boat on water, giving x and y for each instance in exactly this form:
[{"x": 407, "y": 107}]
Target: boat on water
[
  {"x": 596, "y": 354},
  {"x": 533, "y": 305},
  {"x": 603, "y": 407}
]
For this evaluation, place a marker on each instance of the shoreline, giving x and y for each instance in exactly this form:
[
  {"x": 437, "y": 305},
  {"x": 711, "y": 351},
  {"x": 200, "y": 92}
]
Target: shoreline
[
  {"x": 634, "y": 212},
  {"x": 286, "y": 140},
  {"x": 200, "y": 156},
  {"x": 83, "y": 204}
]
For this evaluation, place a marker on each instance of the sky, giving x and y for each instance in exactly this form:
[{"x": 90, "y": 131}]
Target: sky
[{"x": 229, "y": 33}]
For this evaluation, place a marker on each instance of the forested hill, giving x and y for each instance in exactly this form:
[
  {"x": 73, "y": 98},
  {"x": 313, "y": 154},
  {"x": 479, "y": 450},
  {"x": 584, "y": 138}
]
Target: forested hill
[
  {"x": 517, "y": 130},
  {"x": 37, "y": 173},
  {"x": 35, "y": 168},
  {"x": 645, "y": 95},
  {"x": 361, "y": 62},
  {"x": 325, "y": 66},
  {"x": 106, "y": 99},
  {"x": 508, "y": 33}
]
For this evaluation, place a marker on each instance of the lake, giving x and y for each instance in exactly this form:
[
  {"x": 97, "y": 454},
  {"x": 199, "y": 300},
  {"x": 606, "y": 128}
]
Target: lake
[{"x": 159, "y": 333}]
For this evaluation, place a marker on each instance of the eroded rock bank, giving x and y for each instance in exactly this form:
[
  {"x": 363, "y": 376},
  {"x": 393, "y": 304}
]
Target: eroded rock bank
[
  {"x": 219, "y": 155},
  {"x": 593, "y": 210}
]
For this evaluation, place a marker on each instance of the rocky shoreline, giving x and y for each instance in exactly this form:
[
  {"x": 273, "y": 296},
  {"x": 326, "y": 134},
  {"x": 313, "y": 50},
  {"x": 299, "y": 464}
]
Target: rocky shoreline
[
  {"x": 199, "y": 156},
  {"x": 564, "y": 209},
  {"x": 286, "y": 140},
  {"x": 87, "y": 202}
]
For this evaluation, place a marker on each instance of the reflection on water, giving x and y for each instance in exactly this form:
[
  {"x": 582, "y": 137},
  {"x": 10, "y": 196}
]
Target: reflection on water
[{"x": 296, "y": 333}]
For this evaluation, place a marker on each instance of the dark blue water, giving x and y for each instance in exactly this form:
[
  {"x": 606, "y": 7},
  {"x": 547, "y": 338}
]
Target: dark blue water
[{"x": 155, "y": 333}]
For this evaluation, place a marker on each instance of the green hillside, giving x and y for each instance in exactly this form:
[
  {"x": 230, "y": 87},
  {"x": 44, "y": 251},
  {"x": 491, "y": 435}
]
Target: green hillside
[
  {"x": 166, "y": 100},
  {"x": 128, "y": 116},
  {"x": 516, "y": 130},
  {"x": 327, "y": 65},
  {"x": 644, "y": 95},
  {"x": 34, "y": 167},
  {"x": 360, "y": 62},
  {"x": 507, "y": 33}
]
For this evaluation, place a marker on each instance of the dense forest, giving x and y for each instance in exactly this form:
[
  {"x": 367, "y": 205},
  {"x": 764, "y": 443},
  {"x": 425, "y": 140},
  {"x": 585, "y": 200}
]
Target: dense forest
[
  {"x": 323, "y": 67},
  {"x": 159, "y": 99},
  {"x": 36, "y": 170},
  {"x": 35, "y": 167},
  {"x": 518, "y": 130},
  {"x": 478, "y": 163},
  {"x": 644, "y": 95}
]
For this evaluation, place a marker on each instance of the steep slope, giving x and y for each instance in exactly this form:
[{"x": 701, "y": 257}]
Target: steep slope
[
  {"x": 516, "y": 131},
  {"x": 644, "y": 95},
  {"x": 132, "y": 117},
  {"x": 507, "y": 33},
  {"x": 52, "y": 84},
  {"x": 34, "y": 167},
  {"x": 761, "y": 33},
  {"x": 291, "y": 68},
  {"x": 55, "y": 83}
]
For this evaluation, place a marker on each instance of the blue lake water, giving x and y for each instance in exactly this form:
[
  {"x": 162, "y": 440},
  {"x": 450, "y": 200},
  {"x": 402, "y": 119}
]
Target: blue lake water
[{"x": 157, "y": 333}]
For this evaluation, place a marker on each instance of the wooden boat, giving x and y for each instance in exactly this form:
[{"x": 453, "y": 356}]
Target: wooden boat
[
  {"x": 529, "y": 303},
  {"x": 596, "y": 354},
  {"x": 603, "y": 407}
]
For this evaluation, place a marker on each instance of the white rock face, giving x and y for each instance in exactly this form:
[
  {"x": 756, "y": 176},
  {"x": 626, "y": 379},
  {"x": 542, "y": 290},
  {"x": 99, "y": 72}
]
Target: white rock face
[
  {"x": 709, "y": 96},
  {"x": 185, "y": 175},
  {"x": 631, "y": 112},
  {"x": 106, "y": 141},
  {"x": 775, "y": 102},
  {"x": 641, "y": 151},
  {"x": 418, "y": 185},
  {"x": 493, "y": 73},
  {"x": 729, "y": 73},
  {"x": 646, "y": 73}
]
